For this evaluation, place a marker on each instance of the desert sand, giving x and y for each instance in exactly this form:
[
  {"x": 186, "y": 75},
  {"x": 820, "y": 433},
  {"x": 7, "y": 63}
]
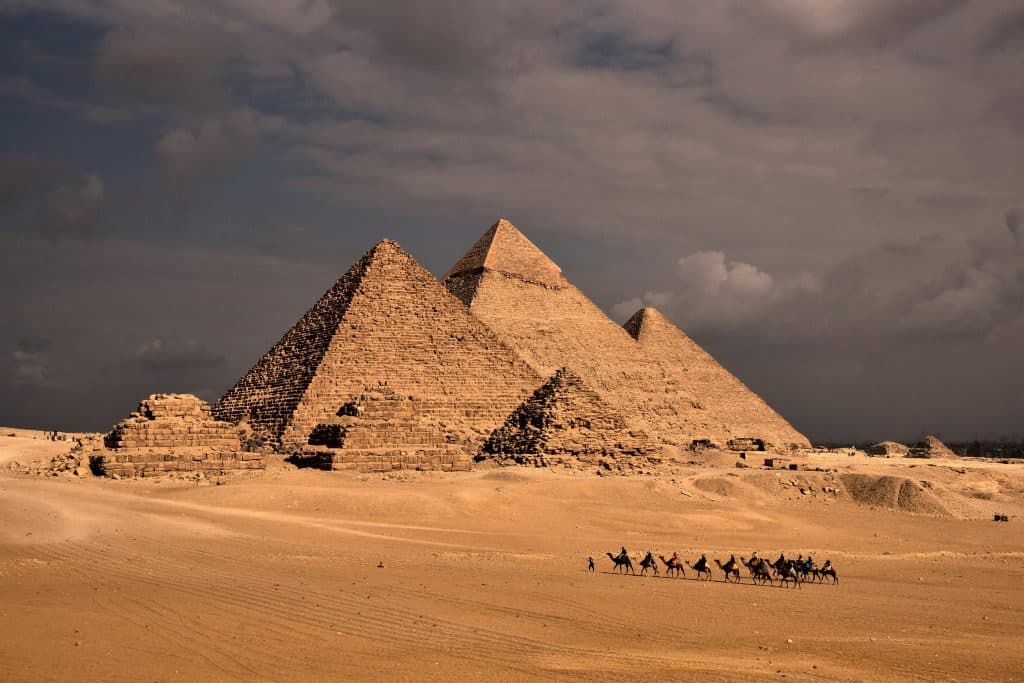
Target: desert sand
[{"x": 275, "y": 575}]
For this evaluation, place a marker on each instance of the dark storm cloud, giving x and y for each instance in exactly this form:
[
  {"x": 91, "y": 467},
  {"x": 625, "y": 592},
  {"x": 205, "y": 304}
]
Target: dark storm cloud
[
  {"x": 34, "y": 344},
  {"x": 1013, "y": 223},
  {"x": 25, "y": 177},
  {"x": 809, "y": 186},
  {"x": 1005, "y": 35},
  {"x": 219, "y": 143},
  {"x": 176, "y": 353},
  {"x": 58, "y": 200},
  {"x": 163, "y": 65}
]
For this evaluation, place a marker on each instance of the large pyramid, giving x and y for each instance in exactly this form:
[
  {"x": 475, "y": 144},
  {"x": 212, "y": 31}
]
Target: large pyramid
[
  {"x": 740, "y": 412},
  {"x": 522, "y": 295},
  {"x": 386, "y": 323},
  {"x": 566, "y": 420}
]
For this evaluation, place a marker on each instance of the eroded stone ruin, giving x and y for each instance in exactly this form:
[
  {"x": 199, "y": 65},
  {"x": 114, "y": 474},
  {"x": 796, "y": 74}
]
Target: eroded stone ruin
[
  {"x": 391, "y": 369},
  {"x": 173, "y": 433}
]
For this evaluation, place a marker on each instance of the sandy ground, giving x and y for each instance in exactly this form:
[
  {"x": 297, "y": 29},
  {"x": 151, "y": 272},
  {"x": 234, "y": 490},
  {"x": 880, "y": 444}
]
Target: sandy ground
[{"x": 275, "y": 576}]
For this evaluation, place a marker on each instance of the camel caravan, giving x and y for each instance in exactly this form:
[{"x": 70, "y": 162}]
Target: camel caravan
[{"x": 788, "y": 572}]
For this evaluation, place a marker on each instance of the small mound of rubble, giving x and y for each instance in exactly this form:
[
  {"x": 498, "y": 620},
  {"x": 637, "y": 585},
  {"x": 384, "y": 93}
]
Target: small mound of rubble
[
  {"x": 930, "y": 447},
  {"x": 171, "y": 433},
  {"x": 888, "y": 449}
]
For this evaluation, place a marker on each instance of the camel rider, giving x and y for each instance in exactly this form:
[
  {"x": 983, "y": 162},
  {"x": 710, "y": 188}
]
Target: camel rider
[
  {"x": 702, "y": 563},
  {"x": 623, "y": 554},
  {"x": 675, "y": 558}
]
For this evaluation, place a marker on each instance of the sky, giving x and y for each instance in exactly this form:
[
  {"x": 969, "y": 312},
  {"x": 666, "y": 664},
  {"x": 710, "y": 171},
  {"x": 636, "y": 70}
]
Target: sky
[{"x": 828, "y": 195}]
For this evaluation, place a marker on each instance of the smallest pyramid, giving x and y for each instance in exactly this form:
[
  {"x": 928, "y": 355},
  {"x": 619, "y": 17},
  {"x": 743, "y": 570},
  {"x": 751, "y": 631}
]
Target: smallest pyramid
[
  {"x": 731, "y": 409},
  {"x": 564, "y": 417},
  {"x": 505, "y": 250}
]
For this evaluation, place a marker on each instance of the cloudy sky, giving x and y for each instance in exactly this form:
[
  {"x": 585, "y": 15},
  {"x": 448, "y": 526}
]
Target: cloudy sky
[{"x": 827, "y": 194}]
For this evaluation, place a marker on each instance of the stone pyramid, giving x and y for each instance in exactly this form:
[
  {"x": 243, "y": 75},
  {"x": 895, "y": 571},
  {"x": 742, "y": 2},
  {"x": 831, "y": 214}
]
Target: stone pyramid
[
  {"x": 522, "y": 295},
  {"x": 564, "y": 417},
  {"x": 388, "y": 322},
  {"x": 739, "y": 412}
]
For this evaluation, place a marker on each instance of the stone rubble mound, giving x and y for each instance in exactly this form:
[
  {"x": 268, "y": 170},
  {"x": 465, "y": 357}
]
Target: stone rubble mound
[
  {"x": 888, "y": 449},
  {"x": 930, "y": 447}
]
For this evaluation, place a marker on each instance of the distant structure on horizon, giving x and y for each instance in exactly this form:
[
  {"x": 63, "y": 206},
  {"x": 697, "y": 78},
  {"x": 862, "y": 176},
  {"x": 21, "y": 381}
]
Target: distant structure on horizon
[{"x": 392, "y": 369}]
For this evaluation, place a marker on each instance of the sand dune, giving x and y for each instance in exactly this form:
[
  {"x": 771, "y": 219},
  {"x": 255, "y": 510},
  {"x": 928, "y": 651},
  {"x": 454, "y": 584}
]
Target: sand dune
[{"x": 275, "y": 576}]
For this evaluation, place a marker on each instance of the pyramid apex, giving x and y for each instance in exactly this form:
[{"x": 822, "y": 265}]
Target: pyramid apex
[
  {"x": 504, "y": 249},
  {"x": 643, "y": 321}
]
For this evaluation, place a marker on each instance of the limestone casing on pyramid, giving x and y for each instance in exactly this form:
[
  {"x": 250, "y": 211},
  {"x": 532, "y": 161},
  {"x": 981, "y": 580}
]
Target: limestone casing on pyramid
[
  {"x": 386, "y": 321},
  {"x": 552, "y": 324},
  {"x": 726, "y": 399},
  {"x": 566, "y": 417}
]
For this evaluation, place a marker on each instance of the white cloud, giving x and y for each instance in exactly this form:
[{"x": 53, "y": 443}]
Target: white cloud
[{"x": 709, "y": 272}]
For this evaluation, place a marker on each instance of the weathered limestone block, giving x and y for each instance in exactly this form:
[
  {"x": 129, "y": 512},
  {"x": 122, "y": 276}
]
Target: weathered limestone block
[{"x": 381, "y": 430}]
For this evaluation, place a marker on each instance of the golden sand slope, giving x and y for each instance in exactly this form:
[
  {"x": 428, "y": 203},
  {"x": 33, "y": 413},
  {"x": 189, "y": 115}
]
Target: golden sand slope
[{"x": 275, "y": 577}]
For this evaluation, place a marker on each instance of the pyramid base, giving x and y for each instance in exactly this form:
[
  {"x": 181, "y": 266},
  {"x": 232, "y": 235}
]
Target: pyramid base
[
  {"x": 611, "y": 462},
  {"x": 389, "y": 460},
  {"x": 156, "y": 462}
]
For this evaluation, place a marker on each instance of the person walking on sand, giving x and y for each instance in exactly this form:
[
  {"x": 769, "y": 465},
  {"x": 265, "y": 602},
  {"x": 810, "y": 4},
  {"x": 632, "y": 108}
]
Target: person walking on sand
[{"x": 590, "y": 564}]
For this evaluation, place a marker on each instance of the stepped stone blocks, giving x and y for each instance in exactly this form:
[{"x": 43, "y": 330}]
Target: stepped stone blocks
[
  {"x": 173, "y": 433},
  {"x": 521, "y": 294},
  {"x": 386, "y": 322},
  {"x": 732, "y": 409},
  {"x": 381, "y": 430},
  {"x": 565, "y": 422}
]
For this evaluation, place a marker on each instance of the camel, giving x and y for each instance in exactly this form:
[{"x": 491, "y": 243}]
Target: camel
[
  {"x": 701, "y": 567},
  {"x": 673, "y": 565},
  {"x": 648, "y": 563},
  {"x": 786, "y": 571},
  {"x": 758, "y": 567},
  {"x": 826, "y": 570},
  {"x": 730, "y": 568},
  {"x": 622, "y": 563}
]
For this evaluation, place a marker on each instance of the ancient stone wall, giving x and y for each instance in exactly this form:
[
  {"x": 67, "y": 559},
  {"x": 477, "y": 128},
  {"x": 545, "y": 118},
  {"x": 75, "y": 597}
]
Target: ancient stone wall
[{"x": 173, "y": 433}]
